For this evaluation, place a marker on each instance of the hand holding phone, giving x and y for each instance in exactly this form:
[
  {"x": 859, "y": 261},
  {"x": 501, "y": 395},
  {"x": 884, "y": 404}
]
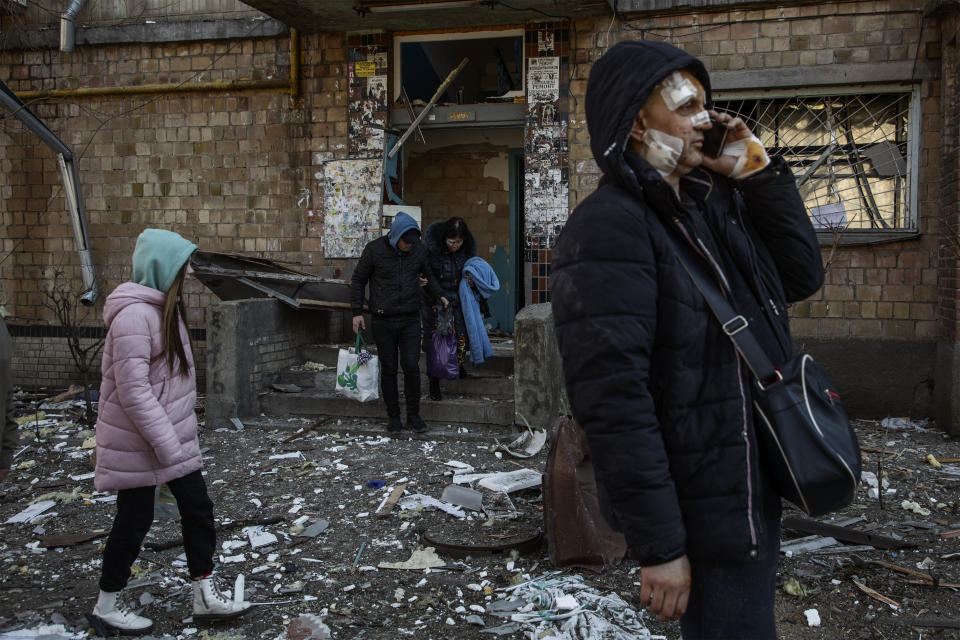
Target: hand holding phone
[{"x": 714, "y": 138}]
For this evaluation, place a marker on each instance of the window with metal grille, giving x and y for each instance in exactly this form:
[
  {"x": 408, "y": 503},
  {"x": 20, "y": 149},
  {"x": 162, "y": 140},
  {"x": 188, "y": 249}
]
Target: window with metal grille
[{"x": 853, "y": 153}]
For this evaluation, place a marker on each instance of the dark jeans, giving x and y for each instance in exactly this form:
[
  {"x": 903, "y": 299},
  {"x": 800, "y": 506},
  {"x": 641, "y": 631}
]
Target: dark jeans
[
  {"x": 392, "y": 335},
  {"x": 734, "y": 600},
  {"x": 134, "y": 517}
]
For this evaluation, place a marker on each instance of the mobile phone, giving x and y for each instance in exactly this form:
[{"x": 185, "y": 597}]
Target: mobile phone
[{"x": 714, "y": 138}]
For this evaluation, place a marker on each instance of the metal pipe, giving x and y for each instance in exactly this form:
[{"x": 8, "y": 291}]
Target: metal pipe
[
  {"x": 294, "y": 64},
  {"x": 273, "y": 84},
  {"x": 67, "y": 26},
  {"x": 71, "y": 187},
  {"x": 78, "y": 220},
  {"x": 292, "y": 85}
]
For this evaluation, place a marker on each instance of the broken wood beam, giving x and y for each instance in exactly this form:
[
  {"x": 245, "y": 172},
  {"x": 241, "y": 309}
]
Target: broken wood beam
[
  {"x": 876, "y": 595},
  {"x": 843, "y": 534},
  {"x": 387, "y": 505},
  {"x": 305, "y": 430},
  {"x": 436, "y": 96},
  {"x": 70, "y": 539}
]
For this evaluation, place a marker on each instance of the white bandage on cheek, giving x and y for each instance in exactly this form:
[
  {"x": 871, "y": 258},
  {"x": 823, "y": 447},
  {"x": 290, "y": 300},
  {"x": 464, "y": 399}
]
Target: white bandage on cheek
[
  {"x": 662, "y": 150},
  {"x": 700, "y": 118},
  {"x": 750, "y": 154},
  {"x": 677, "y": 91}
]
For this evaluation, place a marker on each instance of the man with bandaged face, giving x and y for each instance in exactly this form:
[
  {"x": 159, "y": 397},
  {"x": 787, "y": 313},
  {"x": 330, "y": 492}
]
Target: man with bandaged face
[{"x": 654, "y": 381}]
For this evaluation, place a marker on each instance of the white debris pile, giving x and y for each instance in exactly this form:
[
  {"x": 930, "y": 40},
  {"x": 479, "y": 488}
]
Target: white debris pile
[{"x": 562, "y": 606}]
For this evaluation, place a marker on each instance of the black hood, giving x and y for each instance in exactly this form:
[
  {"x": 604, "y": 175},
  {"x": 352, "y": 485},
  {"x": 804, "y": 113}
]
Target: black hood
[
  {"x": 619, "y": 85},
  {"x": 437, "y": 245}
]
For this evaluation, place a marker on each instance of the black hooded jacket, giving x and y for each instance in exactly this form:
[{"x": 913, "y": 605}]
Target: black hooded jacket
[
  {"x": 446, "y": 266},
  {"x": 652, "y": 378},
  {"x": 394, "y": 278}
]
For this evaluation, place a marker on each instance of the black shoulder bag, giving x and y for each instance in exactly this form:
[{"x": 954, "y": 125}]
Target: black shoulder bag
[{"x": 805, "y": 438}]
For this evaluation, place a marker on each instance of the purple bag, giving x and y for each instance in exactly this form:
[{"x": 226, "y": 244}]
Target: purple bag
[{"x": 442, "y": 360}]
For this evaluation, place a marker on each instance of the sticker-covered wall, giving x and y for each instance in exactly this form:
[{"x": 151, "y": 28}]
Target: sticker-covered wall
[
  {"x": 351, "y": 187},
  {"x": 546, "y": 174}
]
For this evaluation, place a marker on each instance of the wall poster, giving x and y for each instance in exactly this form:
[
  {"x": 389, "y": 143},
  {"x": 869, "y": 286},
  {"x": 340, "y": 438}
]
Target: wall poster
[{"x": 352, "y": 202}]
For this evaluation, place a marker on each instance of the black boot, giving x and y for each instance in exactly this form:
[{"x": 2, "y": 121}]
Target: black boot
[
  {"x": 394, "y": 427},
  {"x": 435, "y": 389},
  {"x": 417, "y": 424},
  {"x": 463, "y": 372}
]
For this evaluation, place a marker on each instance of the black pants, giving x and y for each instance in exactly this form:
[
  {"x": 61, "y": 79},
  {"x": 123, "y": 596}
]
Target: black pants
[
  {"x": 392, "y": 335},
  {"x": 134, "y": 517},
  {"x": 734, "y": 600}
]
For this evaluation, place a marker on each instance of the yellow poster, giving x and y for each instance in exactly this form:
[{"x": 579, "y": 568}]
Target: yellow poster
[{"x": 364, "y": 69}]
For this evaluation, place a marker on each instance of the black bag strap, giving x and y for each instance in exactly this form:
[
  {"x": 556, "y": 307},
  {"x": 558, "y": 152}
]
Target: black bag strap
[{"x": 734, "y": 324}]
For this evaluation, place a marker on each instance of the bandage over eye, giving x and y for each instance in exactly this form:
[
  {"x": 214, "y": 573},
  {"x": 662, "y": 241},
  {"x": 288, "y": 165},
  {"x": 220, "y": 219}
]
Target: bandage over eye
[
  {"x": 750, "y": 154},
  {"x": 677, "y": 91},
  {"x": 662, "y": 150},
  {"x": 700, "y": 118}
]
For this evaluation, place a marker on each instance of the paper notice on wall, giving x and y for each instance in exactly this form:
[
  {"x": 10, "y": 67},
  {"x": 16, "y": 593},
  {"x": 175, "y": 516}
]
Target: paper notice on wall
[
  {"x": 543, "y": 79},
  {"x": 832, "y": 215},
  {"x": 364, "y": 69},
  {"x": 351, "y": 193}
]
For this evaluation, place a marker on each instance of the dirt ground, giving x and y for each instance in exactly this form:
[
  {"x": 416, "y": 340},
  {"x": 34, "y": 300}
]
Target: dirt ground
[{"x": 342, "y": 473}]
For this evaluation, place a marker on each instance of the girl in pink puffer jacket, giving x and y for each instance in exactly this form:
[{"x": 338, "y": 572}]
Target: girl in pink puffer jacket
[{"x": 147, "y": 431}]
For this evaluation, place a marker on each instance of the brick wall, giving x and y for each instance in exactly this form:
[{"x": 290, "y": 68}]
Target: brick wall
[
  {"x": 546, "y": 158},
  {"x": 880, "y": 291},
  {"x": 229, "y": 170},
  {"x": 949, "y": 196},
  {"x": 250, "y": 342},
  {"x": 44, "y": 361},
  {"x": 447, "y": 183}
]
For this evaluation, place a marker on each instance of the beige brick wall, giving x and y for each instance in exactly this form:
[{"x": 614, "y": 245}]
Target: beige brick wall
[
  {"x": 46, "y": 362},
  {"x": 232, "y": 171},
  {"x": 224, "y": 169},
  {"x": 881, "y": 291},
  {"x": 458, "y": 183},
  {"x": 116, "y": 12}
]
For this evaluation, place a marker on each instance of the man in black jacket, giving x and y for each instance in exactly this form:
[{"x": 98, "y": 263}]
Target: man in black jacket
[
  {"x": 393, "y": 265},
  {"x": 656, "y": 384}
]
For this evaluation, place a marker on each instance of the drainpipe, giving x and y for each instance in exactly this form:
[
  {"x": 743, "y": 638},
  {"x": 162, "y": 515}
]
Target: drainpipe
[
  {"x": 67, "y": 28},
  {"x": 71, "y": 188}
]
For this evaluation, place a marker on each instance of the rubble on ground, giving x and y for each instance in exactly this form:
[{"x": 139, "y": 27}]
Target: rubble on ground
[{"x": 337, "y": 531}]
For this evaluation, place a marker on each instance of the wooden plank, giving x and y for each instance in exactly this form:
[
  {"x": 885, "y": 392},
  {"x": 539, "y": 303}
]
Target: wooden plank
[
  {"x": 876, "y": 595},
  {"x": 387, "y": 505},
  {"x": 843, "y": 534}
]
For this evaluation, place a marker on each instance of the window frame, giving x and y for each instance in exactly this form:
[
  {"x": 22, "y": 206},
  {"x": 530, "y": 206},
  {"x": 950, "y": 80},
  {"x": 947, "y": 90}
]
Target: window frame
[
  {"x": 914, "y": 117},
  {"x": 434, "y": 36}
]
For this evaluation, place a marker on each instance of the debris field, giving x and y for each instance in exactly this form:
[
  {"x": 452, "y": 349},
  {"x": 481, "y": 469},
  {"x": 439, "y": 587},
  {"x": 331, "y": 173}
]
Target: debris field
[{"x": 338, "y": 531}]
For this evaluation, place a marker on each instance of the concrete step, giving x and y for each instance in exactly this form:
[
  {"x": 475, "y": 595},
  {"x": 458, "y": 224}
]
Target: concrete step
[
  {"x": 483, "y": 385},
  {"x": 451, "y": 410},
  {"x": 500, "y": 364}
]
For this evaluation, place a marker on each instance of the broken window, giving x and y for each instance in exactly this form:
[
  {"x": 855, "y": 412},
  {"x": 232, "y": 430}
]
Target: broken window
[
  {"x": 494, "y": 73},
  {"x": 853, "y": 153}
]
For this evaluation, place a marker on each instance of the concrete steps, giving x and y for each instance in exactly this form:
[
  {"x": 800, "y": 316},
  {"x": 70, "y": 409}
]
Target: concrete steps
[
  {"x": 475, "y": 385},
  {"x": 451, "y": 410},
  {"x": 484, "y": 397}
]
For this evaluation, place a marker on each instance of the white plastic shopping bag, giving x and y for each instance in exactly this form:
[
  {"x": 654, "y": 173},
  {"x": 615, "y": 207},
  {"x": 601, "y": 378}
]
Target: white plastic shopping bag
[{"x": 358, "y": 373}]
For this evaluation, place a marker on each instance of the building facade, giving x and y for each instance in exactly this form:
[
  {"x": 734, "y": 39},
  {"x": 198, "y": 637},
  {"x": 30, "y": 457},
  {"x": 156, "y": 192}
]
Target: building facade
[{"x": 264, "y": 131}]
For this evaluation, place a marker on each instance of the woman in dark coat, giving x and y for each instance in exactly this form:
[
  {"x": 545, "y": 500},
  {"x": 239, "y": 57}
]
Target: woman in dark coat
[{"x": 449, "y": 245}]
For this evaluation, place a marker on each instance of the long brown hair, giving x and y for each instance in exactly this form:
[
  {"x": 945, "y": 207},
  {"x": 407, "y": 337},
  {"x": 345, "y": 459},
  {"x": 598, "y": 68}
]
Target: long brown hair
[{"x": 173, "y": 311}]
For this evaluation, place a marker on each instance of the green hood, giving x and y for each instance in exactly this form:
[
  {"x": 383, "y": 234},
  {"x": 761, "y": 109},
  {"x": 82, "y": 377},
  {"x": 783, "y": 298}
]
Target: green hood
[{"x": 158, "y": 256}]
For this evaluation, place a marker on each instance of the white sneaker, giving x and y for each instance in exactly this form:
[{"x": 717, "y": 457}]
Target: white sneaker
[
  {"x": 109, "y": 618},
  {"x": 210, "y": 605}
]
